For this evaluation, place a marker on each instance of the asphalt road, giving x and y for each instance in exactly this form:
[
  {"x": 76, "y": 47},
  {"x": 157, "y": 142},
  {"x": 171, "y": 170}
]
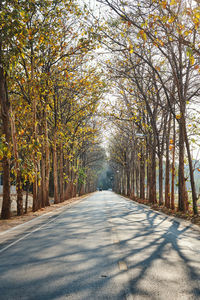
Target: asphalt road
[{"x": 104, "y": 247}]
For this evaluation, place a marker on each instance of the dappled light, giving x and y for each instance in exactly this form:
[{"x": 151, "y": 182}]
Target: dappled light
[
  {"x": 74, "y": 257},
  {"x": 99, "y": 149}
]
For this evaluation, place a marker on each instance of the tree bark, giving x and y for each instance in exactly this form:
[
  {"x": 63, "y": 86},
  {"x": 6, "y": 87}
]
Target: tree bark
[
  {"x": 6, "y": 205},
  {"x": 123, "y": 182},
  {"x": 34, "y": 109},
  {"x": 128, "y": 180},
  {"x": 167, "y": 167},
  {"x": 43, "y": 185},
  {"x": 137, "y": 178},
  {"x": 194, "y": 194},
  {"x": 20, "y": 210},
  {"x": 26, "y": 201},
  {"x": 55, "y": 171},
  {"x": 47, "y": 163},
  {"x": 142, "y": 175},
  {"x": 148, "y": 172},
  {"x": 133, "y": 175},
  {"x": 152, "y": 195},
  {"x": 181, "y": 173},
  {"x": 173, "y": 166},
  {"x": 160, "y": 179},
  {"x": 61, "y": 176}
]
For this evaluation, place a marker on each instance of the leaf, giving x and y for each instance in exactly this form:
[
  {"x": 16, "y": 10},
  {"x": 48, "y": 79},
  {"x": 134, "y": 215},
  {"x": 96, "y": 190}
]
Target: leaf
[
  {"x": 189, "y": 51},
  {"x": 171, "y": 20},
  {"x": 143, "y": 35},
  {"x": 164, "y": 4},
  {"x": 191, "y": 59},
  {"x": 173, "y": 2}
]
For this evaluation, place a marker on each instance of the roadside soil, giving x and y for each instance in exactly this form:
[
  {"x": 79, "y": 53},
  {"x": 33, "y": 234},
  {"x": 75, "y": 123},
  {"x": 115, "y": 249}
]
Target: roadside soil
[{"x": 17, "y": 220}]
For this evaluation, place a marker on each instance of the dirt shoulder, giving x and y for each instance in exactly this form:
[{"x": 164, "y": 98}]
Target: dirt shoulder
[{"x": 17, "y": 220}]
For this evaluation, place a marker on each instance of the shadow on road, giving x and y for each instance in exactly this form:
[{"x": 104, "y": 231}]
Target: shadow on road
[
  {"x": 73, "y": 257},
  {"x": 159, "y": 254}
]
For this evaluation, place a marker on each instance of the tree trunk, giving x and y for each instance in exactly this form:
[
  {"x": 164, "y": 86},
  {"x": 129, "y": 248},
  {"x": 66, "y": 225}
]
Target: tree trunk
[
  {"x": 34, "y": 109},
  {"x": 61, "y": 176},
  {"x": 55, "y": 171},
  {"x": 152, "y": 194},
  {"x": 123, "y": 182},
  {"x": 137, "y": 177},
  {"x": 35, "y": 193},
  {"x": 47, "y": 163},
  {"x": 75, "y": 190},
  {"x": 160, "y": 179},
  {"x": 20, "y": 210},
  {"x": 67, "y": 186},
  {"x": 133, "y": 175},
  {"x": 43, "y": 185},
  {"x": 167, "y": 167},
  {"x": 72, "y": 180},
  {"x": 6, "y": 205},
  {"x": 142, "y": 175},
  {"x": 173, "y": 166},
  {"x": 148, "y": 171},
  {"x": 128, "y": 181},
  {"x": 40, "y": 192},
  {"x": 181, "y": 175},
  {"x": 194, "y": 194},
  {"x": 26, "y": 201}
]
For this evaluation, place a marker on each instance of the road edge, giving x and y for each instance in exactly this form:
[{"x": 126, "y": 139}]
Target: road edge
[
  {"x": 67, "y": 205},
  {"x": 185, "y": 223}
]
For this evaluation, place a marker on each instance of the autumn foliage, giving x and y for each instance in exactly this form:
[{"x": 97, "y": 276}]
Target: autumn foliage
[{"x": 50, "y": 91}]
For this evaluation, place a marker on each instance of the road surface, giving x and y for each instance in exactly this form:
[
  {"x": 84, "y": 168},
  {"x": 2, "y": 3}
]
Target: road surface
[{"x": 103, "y": 247}]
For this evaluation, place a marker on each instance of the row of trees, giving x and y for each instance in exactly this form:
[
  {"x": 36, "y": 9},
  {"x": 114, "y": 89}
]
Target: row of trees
[
  {"x": 50, "y": 88},
  {"x": 51, "y": 85},
  {"x": 155, "y": 69}
]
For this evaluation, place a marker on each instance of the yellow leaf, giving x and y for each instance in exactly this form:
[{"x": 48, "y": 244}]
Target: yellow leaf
[
  {"x": 178, "y": 117},
  {"x": 191, "y": 59},
  {"x": 9, "y": 154},
  {"x": 171, "y": 20},
  {"x": 173, "y": 2},
  {"x": 164, "y": 4}
]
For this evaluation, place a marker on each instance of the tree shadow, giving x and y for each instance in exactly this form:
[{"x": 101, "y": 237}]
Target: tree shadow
[
  {"x": 73, "y": 257},
  {"x": 154, "y": 249},
  {"x": 70, "y": 258}
]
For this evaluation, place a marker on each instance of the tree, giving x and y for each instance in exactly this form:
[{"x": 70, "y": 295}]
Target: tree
[{"x": 153, "y": 33}]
